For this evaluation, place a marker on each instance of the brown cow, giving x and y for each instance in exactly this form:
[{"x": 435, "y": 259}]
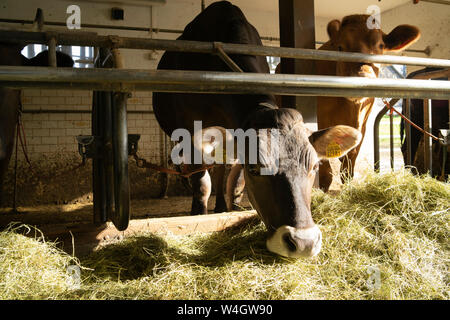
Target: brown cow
[{"x": 353, "y": 35}]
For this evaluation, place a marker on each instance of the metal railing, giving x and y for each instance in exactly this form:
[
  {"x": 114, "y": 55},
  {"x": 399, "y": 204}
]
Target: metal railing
[
  {"x": 126, "y": 80},
  {"x": 151, "y": 29},
  {"x": 91, "y": 39},
  {"x": 122, "y": 81},
  {"x": 427, "y": 106}
]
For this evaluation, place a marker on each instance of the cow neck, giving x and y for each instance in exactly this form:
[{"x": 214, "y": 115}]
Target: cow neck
[{"x": 362, "y": 110}]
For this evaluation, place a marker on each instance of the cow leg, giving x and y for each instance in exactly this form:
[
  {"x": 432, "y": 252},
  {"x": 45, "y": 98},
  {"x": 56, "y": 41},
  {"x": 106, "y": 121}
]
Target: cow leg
[
  {"x": 221, "y": 205},
  {"x": 201, "y": 187},
  {"x": 348, "y": 162},
  {"x": 325, "y": 175},
  {"x": 235, "y": 187}
]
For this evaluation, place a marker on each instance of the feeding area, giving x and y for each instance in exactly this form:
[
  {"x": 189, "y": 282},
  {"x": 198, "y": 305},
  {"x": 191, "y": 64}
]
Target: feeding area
[
  {"x": 385, "y": 237},
  {"x": 215, "y": 150}
]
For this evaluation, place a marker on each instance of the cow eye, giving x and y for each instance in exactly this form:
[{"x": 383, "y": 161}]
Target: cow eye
[{"x": 381, "y": 46}]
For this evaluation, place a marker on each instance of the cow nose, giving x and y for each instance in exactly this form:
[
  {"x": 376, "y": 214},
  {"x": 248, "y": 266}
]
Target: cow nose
[{"x": 295, "y": 242}]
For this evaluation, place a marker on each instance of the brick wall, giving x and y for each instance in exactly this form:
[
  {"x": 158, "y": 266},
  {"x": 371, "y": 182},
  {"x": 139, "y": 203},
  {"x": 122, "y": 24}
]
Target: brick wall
[{"x": 49, "y": 133}]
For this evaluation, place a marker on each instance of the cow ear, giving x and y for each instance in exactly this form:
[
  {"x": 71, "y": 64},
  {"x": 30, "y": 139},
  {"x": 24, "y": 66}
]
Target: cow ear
[
  {"x": 212, "y": 141},
  {"x": 335, "y": 142},
  {"x": 333, "y": 29},
  {"x": 401, "y": 37}
]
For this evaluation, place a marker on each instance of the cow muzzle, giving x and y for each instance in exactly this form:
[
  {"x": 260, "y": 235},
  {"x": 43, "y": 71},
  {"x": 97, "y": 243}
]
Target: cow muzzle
[{"x": 295, "y": 242}]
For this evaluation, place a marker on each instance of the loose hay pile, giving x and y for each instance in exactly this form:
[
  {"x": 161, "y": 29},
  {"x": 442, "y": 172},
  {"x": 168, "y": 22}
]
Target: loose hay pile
[{"x": 396, "y": 224}]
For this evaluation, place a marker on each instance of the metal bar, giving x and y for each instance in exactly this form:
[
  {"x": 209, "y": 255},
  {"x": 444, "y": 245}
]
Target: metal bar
[
  {"x": 425, "y": 51},
  {"x": 219, "y": 82},
  {"x": 296, "y": 23},
  {"x": 95, "y": 26},
  {"x": 225, "y": 58},
  {"x": 106, "y": 116},
  {"x": 433, "y": 74},
  {"x": 232, "y": 88},
  {"x": 391, "y": 139},
  {"x": 376, "y": 135},
  {"x": 89, "y": 39},
  {"x": 102, "y": 162},
  {"x": 121, "y": 215},
  {"x": 428, "y": 143},
  {"x": 156, "y": 30},
  {"x": 437, "y": 1},
  {"x": 376, "y": 139},
  {"x": 52, "y": 52},
  {"x": 98, "y": 176},
  {"x": 409, "y": 159},
  {"x": 38, "y": 111},
  {"x": 15, "y": 166}
]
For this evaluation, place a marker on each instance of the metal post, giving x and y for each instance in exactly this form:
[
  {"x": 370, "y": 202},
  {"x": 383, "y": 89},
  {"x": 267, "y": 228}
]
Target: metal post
[
  {"x": 103, "y": 187},
  {"x": 376, "y": 135},
  {"x": 98, "y": 177},
  {"x": 391, "y": 139},
  {"x": 409, "y": 160},
  {"x": 376, "y": 139},
  {"x": 121, "y": 214},
  {"x": 297, "y": 31},
  {"x": 107, "y": 150},
  {"x": 52, "y": 52},
  {"x": 428, "y": 145}
]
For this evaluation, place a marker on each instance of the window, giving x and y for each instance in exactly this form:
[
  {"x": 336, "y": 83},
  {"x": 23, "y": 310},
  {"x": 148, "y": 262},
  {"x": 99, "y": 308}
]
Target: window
[
  {"x": 273, "y": 62},
  {"x": 395, "y": 71},
  {"x": 82, "y": 56}
]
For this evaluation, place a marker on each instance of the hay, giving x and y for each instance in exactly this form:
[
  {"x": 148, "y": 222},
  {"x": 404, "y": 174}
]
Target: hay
[{"x": 396, "y": 223}]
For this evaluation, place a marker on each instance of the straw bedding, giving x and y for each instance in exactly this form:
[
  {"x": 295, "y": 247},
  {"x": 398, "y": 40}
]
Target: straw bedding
[{"x": 384, "y": 237}]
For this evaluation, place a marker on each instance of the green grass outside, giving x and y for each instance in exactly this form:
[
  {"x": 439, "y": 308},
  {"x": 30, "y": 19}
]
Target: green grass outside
[{"x": 384, "y": 131}]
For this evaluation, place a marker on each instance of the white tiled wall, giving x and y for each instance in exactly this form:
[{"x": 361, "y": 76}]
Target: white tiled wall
[{"x": 55, "y": 132}]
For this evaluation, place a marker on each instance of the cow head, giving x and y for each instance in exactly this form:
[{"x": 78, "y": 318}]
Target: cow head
[
  {"x": 282, "y": 197},
  {"x": 354, "y": 35}
]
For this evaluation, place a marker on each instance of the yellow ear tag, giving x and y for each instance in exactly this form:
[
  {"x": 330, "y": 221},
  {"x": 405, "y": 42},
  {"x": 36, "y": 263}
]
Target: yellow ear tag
[{"x": 333, "y": 150}]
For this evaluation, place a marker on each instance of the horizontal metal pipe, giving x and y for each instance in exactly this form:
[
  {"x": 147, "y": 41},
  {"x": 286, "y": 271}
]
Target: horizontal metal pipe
[
  {"x": 157, "y": 30},
  {"x": 437, "y": 1},
  {"x": 89, "y": 39},
  {"x": 219, "y": 82},
  {"x": 40, "y": 111},
  {"x": 433, "y": 74},
  {"x": 96, "y": 26}
]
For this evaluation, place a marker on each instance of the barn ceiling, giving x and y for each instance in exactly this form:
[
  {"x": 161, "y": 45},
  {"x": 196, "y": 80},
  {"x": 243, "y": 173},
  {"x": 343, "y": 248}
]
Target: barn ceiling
[
  {"x": 338, "y": 9},
  {"x": 327, "y": 8}
]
